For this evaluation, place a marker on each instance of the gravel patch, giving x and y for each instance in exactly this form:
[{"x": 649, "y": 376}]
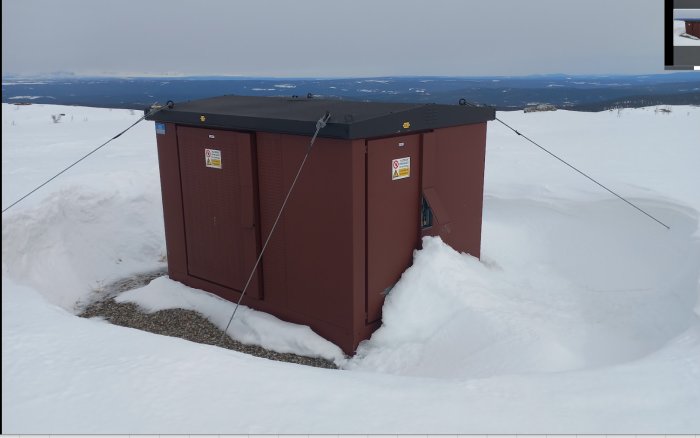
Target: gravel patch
[{"x": 179, "y": 323}]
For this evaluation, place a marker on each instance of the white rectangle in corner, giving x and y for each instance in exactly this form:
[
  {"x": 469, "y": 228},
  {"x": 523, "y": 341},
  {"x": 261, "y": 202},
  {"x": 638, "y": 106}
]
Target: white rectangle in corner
[
  {"x": 212, "y": 158},
  {"x": 400, "y": 168}
]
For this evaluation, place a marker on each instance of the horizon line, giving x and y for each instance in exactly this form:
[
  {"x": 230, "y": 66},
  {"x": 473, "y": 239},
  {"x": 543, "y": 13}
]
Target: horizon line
[{"x": 68, "y": 75}]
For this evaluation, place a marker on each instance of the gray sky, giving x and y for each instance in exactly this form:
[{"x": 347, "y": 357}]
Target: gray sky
[
  {"x": 686, "y": 13},
  {"x": 321, "y": 38}
]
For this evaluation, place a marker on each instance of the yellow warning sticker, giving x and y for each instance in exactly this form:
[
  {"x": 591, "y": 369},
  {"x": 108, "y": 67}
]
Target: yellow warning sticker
[
  {"x": 212, "y": 158},
  {"x": 400, "y": 168}
]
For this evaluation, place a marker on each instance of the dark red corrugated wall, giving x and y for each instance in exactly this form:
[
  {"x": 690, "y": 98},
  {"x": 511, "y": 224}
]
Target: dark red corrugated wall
[
  {"x": 693, "y": 28},
  {"x": 312, "y": 266},
  {"x": 453, "y": 182},
  {"x": 393, "y": 215}
]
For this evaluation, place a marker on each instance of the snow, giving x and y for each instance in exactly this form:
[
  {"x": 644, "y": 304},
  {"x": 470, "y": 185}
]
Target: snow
[
  {"x": 72, "y": 239},
  {"x": 583, "y": 315},
  {"x": 30, "y": 97},
  {"x": 21, "y": 82},
  {"x": 512, "y": 317},
  {"x": 249, "y": 326},
  {"x": 678, "y": 40}
]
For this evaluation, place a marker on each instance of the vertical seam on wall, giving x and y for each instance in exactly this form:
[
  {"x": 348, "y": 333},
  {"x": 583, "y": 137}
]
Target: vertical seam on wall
[
  {"x": 256, "y": 212},
  {"x": 421, "y": 195},
  {"x": 366, "y": 235},
  {"x": 182, "y": 198}
]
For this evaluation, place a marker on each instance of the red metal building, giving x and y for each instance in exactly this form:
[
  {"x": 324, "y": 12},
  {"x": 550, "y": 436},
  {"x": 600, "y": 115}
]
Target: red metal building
[
  {"x": 692, "y": 27},
  {"x": 380, "y": 176}
]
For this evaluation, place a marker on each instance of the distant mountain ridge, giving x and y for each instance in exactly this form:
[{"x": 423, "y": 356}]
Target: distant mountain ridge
[{"x": 585, "y": 93}]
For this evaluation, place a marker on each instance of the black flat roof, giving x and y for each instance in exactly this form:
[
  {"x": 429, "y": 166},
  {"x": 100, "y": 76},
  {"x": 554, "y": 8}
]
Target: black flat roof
[{"x": 349, "y": 119}]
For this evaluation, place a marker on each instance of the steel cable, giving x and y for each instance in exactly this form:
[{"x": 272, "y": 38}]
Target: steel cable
[
  {"x": 581, "y": 172},
  {"x": 153, "y": 111},
  {"x": 319, "y": 125}
]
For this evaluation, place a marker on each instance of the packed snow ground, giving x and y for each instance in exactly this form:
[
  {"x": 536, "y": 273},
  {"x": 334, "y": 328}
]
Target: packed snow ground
[
  {"x": 678, "y": 40},
  {"x": 581, "y": 317}
]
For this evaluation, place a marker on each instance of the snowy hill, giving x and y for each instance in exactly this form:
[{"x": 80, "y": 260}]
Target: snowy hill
[{"x": 583, "y": 315}]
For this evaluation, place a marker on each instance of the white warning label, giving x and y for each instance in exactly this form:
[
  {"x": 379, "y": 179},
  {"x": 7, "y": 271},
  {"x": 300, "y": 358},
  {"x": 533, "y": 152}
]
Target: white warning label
[
  {"x": 212, "y": 158},
  {"x": 400, "y": 168}
]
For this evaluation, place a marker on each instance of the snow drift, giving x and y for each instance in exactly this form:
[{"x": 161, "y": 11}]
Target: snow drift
[{"x": 579, "y": 317}]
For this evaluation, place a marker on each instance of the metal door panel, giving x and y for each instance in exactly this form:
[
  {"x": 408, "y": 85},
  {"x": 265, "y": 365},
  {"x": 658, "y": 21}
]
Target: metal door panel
[
  {"x": 393, "y": 215},
  {"x": 219, "y": 206}
]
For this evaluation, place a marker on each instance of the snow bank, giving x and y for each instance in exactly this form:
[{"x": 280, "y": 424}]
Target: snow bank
[
  {"x": 579, "y": 317},
  {"x": 79, "y": 240},
  {"x": 643, "y": 154},
  {"x": 63, "y": 374},
  {"x": 99, "y": 222},
  {"x": 249, "y": 326},
  {"x": 453, "y": 315}
]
